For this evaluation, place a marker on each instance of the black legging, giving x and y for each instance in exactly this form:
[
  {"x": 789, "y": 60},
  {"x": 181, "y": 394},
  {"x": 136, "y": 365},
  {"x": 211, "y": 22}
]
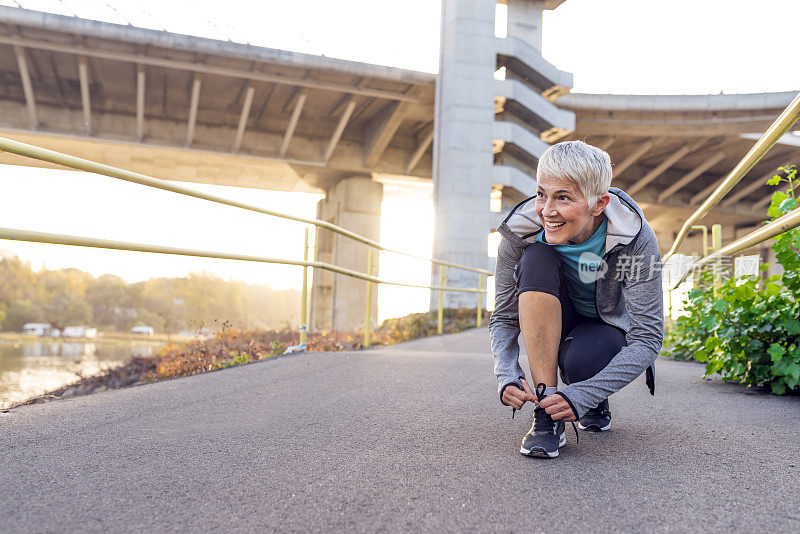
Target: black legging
[{"x": 587, "y": 343}]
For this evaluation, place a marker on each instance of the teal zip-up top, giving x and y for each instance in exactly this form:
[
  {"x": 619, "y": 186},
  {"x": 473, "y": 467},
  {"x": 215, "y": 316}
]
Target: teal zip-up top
[{"x": 581, "y": 263}]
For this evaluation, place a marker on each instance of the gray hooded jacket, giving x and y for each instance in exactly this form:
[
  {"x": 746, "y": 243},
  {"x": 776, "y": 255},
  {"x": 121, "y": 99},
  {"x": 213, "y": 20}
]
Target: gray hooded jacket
[{"x": 629, "y": 296}]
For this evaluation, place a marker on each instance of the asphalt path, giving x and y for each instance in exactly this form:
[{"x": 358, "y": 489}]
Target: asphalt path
[{"x": 403, "y": 438}]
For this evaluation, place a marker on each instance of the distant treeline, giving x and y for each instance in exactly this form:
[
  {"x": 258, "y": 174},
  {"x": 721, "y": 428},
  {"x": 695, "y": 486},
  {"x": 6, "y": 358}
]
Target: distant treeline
[{"x": 67, "y": 297}]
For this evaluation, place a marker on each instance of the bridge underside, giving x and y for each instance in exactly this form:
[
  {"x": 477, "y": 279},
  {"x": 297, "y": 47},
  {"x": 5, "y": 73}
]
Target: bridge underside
[
  {"x": 313, "y": 118},
  {"x": 670, "y": 153}
]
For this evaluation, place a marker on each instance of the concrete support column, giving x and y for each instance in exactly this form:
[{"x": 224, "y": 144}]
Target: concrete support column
[
  {"x": 463, "y": 141},
  {"x": 339, "y": 302},
  {"x": 525, "y": 21}
]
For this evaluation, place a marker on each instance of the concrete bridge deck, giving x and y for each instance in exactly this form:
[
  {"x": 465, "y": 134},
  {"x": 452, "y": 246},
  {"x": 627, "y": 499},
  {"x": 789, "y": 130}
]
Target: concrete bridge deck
[{"x": 410, "y": 437}]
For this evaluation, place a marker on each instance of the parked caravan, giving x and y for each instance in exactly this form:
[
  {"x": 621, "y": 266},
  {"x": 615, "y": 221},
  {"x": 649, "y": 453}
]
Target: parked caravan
[
  {"x": 79, "y": 331},
  {"x": 37, "y": 329},
  {"x": 143, "y": 330}
]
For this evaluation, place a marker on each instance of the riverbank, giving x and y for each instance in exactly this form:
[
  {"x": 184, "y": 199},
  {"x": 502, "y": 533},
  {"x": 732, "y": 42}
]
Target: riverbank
[
  {"x": 233, "y": 347},
  {"x": 31, "y": 367}
]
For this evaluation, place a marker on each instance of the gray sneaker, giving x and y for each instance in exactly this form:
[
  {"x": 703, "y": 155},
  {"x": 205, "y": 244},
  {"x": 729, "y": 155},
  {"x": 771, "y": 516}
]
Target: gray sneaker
[
  {"x": 545, "y": 436},
  {"x": 597, "y": 419}
]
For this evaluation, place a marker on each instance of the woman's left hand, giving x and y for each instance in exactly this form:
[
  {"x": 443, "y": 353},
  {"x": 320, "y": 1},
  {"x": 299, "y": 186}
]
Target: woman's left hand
[{"x": 558, "y": 408}]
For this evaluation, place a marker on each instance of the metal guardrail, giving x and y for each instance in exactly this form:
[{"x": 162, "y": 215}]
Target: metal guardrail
[
  {"x": 73, "y": 162},
  {"x": 785, "y": 120},
  {"x": 781, "y": 125},
  {"x": 778, "y": 226},
  {"x": 15, "y": 234},
  {"x": 50, "y": 156}
]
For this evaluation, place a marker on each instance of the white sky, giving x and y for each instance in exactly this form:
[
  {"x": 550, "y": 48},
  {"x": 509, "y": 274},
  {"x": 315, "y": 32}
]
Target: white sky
[
  {"x": 611, "y": 46},
  {"x": 616, "y": 46},
  {"x": 675, "y": 46}
]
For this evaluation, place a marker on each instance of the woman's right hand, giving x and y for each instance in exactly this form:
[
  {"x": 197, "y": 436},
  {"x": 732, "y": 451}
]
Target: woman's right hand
[{"x": 515, "y": 397}]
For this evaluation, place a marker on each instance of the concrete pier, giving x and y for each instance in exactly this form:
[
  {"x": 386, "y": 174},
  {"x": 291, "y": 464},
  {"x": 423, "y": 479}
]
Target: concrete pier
[
  {"x": 338, "y": 302},
  {"x": 463, "y": 142},
  {"x": 490, "y": 130}
]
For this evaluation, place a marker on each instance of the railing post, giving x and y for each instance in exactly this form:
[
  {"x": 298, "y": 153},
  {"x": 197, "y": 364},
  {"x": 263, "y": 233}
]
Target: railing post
[
  {"x": 480, "y": 299},
  {"x": 369, "y": 300},
  {"x": 442, "y": 283},
  {"x": 304, "y": 295},
  {"x": 705, "y": 237},
  {"x": 716, "y": 244},
  {"x": 669, "y": 293}
]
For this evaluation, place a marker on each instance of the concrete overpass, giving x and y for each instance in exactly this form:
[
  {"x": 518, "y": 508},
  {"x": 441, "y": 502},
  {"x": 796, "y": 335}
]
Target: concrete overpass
[
  {"x": 186, "y": 108},
  {"x": 671, "y": 151},
  {"x": 308, "y": 120}
]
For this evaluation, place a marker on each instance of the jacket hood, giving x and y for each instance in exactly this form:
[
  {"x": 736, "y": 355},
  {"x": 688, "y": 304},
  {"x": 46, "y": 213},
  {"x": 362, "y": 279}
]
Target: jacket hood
[{"x": 625, "y": 220}]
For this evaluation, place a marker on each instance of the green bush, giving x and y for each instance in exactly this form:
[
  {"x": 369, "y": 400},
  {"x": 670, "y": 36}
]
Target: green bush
[{"x": 741, "y": 331}]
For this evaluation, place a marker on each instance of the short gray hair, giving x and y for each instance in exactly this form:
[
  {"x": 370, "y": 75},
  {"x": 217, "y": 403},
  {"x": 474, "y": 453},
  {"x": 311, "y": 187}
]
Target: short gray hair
[{"x": 585, "y": 165}]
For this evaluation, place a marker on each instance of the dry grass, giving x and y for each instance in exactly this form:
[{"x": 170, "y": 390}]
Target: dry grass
[{"x": 234, "y": 347}]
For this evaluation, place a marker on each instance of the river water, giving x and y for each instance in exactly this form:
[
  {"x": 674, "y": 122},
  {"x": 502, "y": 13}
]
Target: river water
[{"x": 30, "y": 368}]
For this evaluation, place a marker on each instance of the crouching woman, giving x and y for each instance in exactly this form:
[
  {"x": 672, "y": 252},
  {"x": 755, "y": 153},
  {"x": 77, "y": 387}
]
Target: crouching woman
[{"x": 579, "y": 275}]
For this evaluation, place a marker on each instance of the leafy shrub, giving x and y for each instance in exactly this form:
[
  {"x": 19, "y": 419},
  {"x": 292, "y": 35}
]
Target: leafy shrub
[{"x": 741, "y": 331}]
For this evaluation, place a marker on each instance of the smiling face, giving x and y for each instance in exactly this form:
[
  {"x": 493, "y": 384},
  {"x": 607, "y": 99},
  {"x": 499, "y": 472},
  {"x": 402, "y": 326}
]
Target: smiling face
[{"x": 565, "y": 212}]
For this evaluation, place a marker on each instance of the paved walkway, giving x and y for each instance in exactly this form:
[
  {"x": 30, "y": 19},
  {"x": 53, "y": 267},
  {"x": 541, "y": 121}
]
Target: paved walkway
[{"x": 405, "y": 438}]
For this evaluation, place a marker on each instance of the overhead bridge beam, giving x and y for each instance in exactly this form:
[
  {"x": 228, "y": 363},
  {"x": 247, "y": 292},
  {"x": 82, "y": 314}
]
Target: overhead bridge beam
[
  {"x": 243, "y": 116},
  {"x": 195, "y": 102},
  {"x": 769, "y": 162},
  {"x": 702, "y": 195},
  {"x": 349, "y": 107},
  {"x": 664, "y": 165},
  {"x": 633, "y": 157},
  {"x": 380, "y": 130},
  {"x": 298, "y": 109},
  {"x": 140, "y": 86},
  {"x": 209, "y": 69},
  {"x": 421, "y": 149},
  {"x": 605, "y": 144},
  {"x": 27, "y": 87},
  {"x": 83, "y": 76},
  {"x": 691, "y": 175},
  {"x": 760, "y": 183}
]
